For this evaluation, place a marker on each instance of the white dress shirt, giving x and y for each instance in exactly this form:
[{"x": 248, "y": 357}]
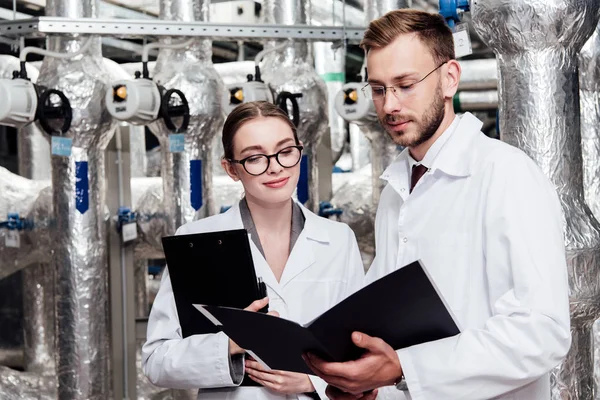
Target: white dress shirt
[{"x": 488, "y": 226}]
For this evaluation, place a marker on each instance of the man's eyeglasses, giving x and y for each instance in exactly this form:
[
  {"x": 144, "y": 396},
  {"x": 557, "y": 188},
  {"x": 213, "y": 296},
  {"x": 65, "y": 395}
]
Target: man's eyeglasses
[
  {"x": 258, "y": 164},
  {"x": 378, "y": 92}
]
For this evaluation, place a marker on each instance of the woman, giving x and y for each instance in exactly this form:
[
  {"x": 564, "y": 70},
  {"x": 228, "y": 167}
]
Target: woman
[{"x": 308, "y": 263}]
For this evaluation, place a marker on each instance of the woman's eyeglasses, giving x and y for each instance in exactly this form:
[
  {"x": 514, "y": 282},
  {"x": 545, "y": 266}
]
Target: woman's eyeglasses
[{"x": 258, "y": 164}]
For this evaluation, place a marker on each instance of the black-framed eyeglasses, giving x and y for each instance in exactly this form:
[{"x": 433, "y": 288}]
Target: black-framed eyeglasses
[
  {"x": 378, "y": 92},
  {"x": 258, "y": 164}
]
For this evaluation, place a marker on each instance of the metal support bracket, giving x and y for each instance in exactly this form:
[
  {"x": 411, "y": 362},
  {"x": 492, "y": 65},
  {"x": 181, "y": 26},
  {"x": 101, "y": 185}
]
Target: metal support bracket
[{"x": 40, "y": 26}]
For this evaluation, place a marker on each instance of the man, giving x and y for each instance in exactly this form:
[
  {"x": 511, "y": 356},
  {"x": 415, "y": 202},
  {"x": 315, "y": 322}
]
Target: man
[{"x": 483, "y": 218}]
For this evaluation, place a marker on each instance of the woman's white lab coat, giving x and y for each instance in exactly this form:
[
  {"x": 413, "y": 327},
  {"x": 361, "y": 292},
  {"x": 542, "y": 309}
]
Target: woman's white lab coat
[{"x": 323, "y": 268}]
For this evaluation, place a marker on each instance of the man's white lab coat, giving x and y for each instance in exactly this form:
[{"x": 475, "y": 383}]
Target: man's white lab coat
[
  {"x": 323, "y": 268},
  {"x": 488, "y": 226}
]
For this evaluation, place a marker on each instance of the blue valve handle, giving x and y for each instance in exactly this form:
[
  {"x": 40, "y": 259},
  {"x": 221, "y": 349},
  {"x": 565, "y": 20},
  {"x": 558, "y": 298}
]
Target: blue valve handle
[
  {"x": 326, "y": 209},
  {"x": 125, "y": 216},
  {"x": 14, "y": 222},
  {"x": 449, "y": 10}
]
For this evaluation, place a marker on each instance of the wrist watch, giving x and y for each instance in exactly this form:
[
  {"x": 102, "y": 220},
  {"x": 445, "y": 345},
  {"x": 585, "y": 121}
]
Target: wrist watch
[{"x": 401, "y": 384}]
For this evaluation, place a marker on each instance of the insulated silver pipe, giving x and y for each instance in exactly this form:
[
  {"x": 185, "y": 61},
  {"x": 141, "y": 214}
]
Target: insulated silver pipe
[
  {"x": 536, "y": 44},
  {"x": 291, "y": 70},
  {"x": 79, "y": 231},
  {"x": 589, "y": 101},
  {"x": 331, "y": 66},
  {"x": 187, "y": 175},
  {"x": 38, "y": 279}
]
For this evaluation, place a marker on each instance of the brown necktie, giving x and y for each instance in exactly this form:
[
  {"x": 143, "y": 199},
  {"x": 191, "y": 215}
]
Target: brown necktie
[{"x": 417, "y": 172}]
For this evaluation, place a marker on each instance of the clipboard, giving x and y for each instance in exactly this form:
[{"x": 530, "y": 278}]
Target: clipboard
[{"x": 213, "y": 268}]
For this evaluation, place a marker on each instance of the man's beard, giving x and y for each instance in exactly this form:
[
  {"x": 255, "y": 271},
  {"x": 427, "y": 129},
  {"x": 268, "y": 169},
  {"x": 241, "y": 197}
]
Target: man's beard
[{"x": 426, "y": 127}]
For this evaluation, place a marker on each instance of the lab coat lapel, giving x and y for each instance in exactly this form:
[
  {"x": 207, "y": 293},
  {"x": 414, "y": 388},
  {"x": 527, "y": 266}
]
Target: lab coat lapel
[
  {"x": 260, "y": 264},
  {"x": 303, "y": 253}
]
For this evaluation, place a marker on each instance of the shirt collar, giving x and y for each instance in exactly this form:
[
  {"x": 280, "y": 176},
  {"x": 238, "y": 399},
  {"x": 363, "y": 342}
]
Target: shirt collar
[{"x": 453, "y": 157}]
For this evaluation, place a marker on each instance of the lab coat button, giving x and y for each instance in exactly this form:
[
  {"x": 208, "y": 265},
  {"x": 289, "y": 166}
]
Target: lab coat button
[{"x": 405, "y": 240}]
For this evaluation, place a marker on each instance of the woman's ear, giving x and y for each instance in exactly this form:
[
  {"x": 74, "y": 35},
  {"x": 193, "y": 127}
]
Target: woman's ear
[{"x": 230, "y": 169}]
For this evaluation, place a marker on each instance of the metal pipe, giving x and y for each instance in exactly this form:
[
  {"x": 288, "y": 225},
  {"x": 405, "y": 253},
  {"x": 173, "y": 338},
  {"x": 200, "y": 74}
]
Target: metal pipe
[
  {"x": 483, "y": 100},
  {"x": 479, "y": 74},
  {"x": 187, "y": 183},
  {"x": 589, "y": 101},
  {"x": 79, "y": 230},
  {"x": 331, "y": 66},
  {"x": 291, "y": 70},
  {"x": 536, "y": 44},
  {"x": 38, "y": 279}
]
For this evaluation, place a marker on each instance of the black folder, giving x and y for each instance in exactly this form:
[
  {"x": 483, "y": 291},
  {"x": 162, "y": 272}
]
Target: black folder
[
  {"x": 213, "y": 268},
  {"x": 403, "y": 308}
]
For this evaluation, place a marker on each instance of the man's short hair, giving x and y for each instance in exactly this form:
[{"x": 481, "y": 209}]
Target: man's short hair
[{"x": 430, "y": 28}]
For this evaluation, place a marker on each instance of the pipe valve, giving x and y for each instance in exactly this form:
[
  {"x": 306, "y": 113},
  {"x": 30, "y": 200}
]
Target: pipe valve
[{"x": 14, "y": 222}]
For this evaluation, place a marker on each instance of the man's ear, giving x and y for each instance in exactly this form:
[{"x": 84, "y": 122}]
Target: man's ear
[{"x": 451, "y": 78}]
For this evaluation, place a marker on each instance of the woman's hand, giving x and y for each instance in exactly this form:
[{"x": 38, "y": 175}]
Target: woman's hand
[
  {"x": 282, "y": 382},
  {"x": 254, "y": 307}
]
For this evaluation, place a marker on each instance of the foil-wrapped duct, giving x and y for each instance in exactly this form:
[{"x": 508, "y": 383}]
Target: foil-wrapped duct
[
  {"x": 17, "y": 385},
  {"x": 536, "y": 44},
  {"x": 19, "y": 195},
  {"x": 187, "y": 175},
  {"x": 589, "y": 100},
  {"x": 331, "y": 66},
  {"x": 78, "y": 230},
  {"x": 360, "y": 148},
  {"x": 38, "y": 280},
  {"x": 352, "y": 193},
  {"x": 291, "y": 70},
  {"x": 147, "y": 198}
]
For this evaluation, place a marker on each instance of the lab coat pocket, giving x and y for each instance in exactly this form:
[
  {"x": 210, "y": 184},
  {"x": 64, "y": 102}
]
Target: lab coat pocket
[{"x": 445, "y": 256}]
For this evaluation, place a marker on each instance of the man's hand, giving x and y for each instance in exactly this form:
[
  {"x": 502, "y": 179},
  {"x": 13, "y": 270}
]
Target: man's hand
[
  {"x": 378, "y": 367},
  {"x": 254, "y": 307},
  {"x": 282, "y": 382},
  {"x": 334, "y": 393}
]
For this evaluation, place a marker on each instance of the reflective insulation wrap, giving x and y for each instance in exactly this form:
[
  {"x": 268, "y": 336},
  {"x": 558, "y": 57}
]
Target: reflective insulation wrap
[
  {"x": 291, "y": 70},
  {"x": 359, "y": 148},
  {"x": 480, "y": 74},
  {"x": 187, "y": 182},
  {"x": 38, "y": 279},
  {"x": 383, "y": 152},
  {"x": 21, "y": 195},
  {"x": 589, "y": 101},
  {"x": 147, "y": 199},
  {"x": 331, "y": 66},
  {"x": 78, "y": 231},
  {"x": 17, "y": 385},
  {"x": 352, "y": 193},
  {"x": 536, "y": 44},
  {"x": 152, "y": 219}
]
